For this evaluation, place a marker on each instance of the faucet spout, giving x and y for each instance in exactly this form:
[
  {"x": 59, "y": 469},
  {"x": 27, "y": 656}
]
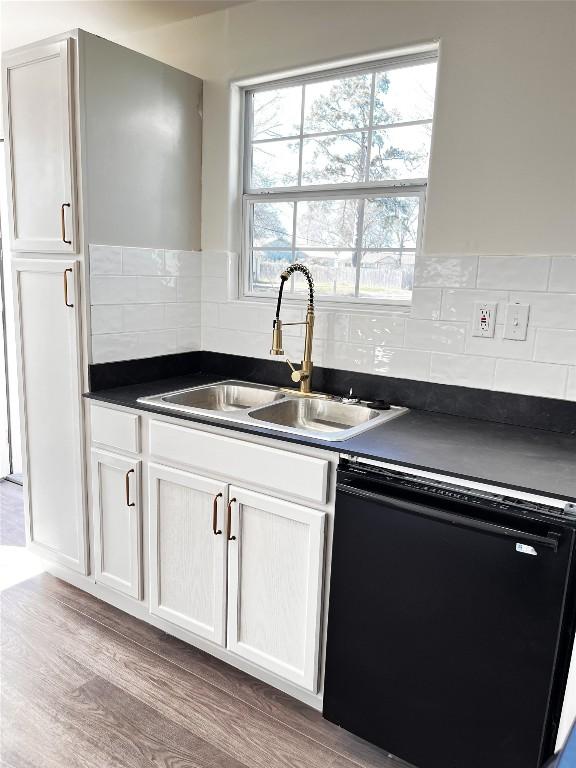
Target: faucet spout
[{"x": 302, "y": 375}]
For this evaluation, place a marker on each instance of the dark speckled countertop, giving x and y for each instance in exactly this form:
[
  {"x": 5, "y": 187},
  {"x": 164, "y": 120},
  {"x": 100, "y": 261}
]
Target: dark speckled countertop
[{"x": 517, "y": 457}]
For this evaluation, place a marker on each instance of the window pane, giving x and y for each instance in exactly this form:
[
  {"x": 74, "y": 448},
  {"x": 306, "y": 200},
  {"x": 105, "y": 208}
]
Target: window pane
[
  {"x": 272, "y": 224},
  {"x": 276, "y": 113},
  {"x": 400, "y": 153},
  {"x": 274, "y": 164},
  {"x": 326, "y": 223},
  {"x": 334, "y": 159},
  {"x": 391, "y": 222},
  {"x": 385, "y": 275},
  {"x": 405, "y": 94},
  {"x": 267, "y": 266},
  {"x": 335, "y": 105},
  {"x": 334, "y": 272}
]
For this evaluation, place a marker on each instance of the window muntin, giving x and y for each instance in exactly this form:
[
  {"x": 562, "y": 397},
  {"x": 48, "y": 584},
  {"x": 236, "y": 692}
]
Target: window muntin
[{"x": 335, "y": 174}]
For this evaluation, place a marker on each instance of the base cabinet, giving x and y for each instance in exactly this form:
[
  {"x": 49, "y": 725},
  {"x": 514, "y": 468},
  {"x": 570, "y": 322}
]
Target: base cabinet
[
  {"x": 47, "y": 299},
  {"x": 188, "y": 551},
  {"x": 239, "y": 568},
  {"x": 117, "y": 514},
  {"x": 275, "y": 569}
]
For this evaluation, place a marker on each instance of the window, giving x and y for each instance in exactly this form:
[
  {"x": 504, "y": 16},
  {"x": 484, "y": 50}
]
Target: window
[{"x": 335, "y": 173}]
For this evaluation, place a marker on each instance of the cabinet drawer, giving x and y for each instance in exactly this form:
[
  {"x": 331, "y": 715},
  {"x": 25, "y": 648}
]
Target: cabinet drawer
[
  {"x": 287, "y": 473},
  {"x": 115, "y": 428}
]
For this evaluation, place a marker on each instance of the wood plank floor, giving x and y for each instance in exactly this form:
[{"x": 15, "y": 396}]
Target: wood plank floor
[{"x": 85, "y": 685}]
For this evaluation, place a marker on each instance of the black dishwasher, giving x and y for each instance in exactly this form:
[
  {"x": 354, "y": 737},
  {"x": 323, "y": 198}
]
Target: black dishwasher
[{"x": 451, "y": 619}]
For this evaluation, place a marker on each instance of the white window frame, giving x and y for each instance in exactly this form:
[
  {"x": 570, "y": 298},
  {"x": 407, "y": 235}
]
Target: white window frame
[{"x": 392, "y": 188}]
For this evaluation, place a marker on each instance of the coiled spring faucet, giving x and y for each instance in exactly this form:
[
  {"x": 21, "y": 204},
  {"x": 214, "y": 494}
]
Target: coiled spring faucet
[{"x": 302, "y": 375}]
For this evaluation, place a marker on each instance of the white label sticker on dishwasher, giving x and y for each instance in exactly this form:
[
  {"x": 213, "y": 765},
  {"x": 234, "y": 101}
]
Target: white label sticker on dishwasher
[{"x": 525, "y": 549}]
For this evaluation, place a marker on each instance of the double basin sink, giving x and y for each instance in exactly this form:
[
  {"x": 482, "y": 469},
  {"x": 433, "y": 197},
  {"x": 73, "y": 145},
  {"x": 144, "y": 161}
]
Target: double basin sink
[{"x": 321, "y": 417}]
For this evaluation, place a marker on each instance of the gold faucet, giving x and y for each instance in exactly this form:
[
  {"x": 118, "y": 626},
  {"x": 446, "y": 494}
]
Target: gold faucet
[{"x": 302, "y": 375}]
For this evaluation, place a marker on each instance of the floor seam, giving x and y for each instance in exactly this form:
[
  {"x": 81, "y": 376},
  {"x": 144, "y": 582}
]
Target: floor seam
[{"x": 209, "y": 682}]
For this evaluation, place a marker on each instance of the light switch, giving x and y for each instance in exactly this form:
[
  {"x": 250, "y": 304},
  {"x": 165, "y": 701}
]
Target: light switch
[
  {"x": 484, "y": 319},
  {"x": 516, "y": 322}
]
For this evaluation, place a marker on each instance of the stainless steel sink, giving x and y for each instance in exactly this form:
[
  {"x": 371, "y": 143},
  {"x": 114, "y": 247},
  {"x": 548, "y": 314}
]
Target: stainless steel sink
[
  {"x": 228, "y": 396},
  {"x": 323, "y": 418}
]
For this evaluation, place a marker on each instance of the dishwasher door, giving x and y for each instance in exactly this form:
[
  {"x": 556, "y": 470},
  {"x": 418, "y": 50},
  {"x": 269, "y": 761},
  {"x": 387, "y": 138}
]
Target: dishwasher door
[{"x": 445, "y": 631}]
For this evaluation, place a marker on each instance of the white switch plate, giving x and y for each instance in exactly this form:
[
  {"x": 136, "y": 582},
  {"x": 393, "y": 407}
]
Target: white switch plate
[
  {"x": 484, "y": 319},
  {"x": 516, "y": 321}
]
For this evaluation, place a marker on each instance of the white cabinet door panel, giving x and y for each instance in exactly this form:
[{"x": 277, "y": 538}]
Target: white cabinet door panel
[
  {"x": 275, "y": 570},
  {"x": 48, "y": 345},
  {"x": 187, "y": 556},
  {"x": 39, "y": 145},
  {"x": 117, "y": 516}
]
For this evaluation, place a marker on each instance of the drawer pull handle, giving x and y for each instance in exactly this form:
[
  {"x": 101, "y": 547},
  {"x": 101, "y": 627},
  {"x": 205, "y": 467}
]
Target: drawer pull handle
[
  {"x": 63, "y": 223},
  {"x": 128, "y": 502},
  {"x": 215, "y": 529},
  {"x": 68, "y": 303},
  {"x": 229, "y": 523}
]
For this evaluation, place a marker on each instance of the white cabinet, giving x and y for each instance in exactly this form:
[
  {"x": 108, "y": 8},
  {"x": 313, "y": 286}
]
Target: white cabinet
[
  {"x": 39, "y": 145},
  {"x": 188, "y": 551},
  {"x": 48, "y": 328},
  {"x": 275, "y": 566},
  {"x": 213, "y": 545},
  {"x": 117, "y": 515}
]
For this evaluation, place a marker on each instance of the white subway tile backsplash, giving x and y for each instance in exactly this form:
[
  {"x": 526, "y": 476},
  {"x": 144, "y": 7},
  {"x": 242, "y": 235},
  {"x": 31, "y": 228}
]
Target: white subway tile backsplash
[
  {"x": 142, "y": 261},
  {"x": 118, "y": 289},
  {"x": 555, "y": 346},
  {"x": 148, "y": 302},
  {"x": 143, "y": 317},
  {"x": 189, "y": 288},
  {"x": 549, "y": 310},
  {"x": 563, "y": 274},
  {"x": 501, "y": 347},
  {"x": 214, "y": 289},
  {"x": 402, "y": 363},
  {"x": 327, "y": 325},
  {"x": 520, "y": 273},
  {"x": 426, "y": 303},
  {"x": 377, "y": 329},
  {"x": 106, "y": 318},
  {"x": 183, "y": 315},
  {"x": 189, "y": 339},
  {"x": 105, "y": 260},
  {"x": 158, "y": 289},
  {"x": 215, "y": 264},
  {"x": 571, "y": 385},
  {"x": 463, "y": 370},
  {"x": 350, "y": 357},
  {"x": 183, "y": 263},
  {"x": 530, "y": 378},
  {"x": 446, "y": 271},
  {"x": 459, "y": 305},
  {"x": 111, "y": 347},
  {"x": 154, "y": 343},
  {"x": 210, "y": 316},
  {"x": 435, "y": 335}
]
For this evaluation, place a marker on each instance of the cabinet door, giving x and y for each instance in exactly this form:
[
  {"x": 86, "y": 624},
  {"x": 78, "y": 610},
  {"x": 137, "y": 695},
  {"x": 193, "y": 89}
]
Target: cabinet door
[
  {"x": 47, "y": 300},
  {"x": 188, "y": 551},
  {"x": 39, "y": 146},
  {"x": 117, "y": 517},
  {"x": 275, "y": 569}
]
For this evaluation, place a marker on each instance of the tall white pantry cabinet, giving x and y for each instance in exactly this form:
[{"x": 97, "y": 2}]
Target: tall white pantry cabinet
[{"x": 103, "y": 146}]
